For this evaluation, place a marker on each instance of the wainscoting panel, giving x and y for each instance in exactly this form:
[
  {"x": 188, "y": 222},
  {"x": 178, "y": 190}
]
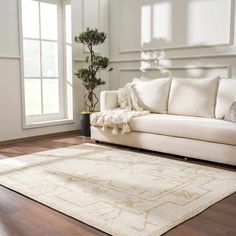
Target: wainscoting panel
[
  {"x": 126, "y": 75},
  {"x": 184, "y": 38},
  {"x": 158, "y": 24},
  {"x": 9, "y": 43},
  {"x": 91, "y": 13},
  {"x": 91, "y": 17}
]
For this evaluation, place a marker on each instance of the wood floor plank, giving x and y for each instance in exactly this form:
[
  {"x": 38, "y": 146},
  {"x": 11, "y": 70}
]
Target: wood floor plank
[
  {"x": 24, "y": 217},
  {"x": 21, "y": 216}
]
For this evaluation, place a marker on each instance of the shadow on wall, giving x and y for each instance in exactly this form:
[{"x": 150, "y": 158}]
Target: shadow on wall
[
  {"x": 165, "y": 25},
  {"x": 155, "y": 59}
]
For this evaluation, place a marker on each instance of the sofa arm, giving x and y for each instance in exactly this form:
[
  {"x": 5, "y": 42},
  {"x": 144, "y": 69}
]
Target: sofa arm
[{"x": 108, "y": 100}]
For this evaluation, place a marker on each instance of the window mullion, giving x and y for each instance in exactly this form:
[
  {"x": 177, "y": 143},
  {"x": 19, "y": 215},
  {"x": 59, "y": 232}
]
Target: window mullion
[
  {"x": 61, "y": 58},
  {"x": 63, "y": 27},
  {"x": 41, "y": 69}
]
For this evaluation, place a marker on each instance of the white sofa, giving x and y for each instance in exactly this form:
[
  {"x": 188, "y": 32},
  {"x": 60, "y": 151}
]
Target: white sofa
[{"x": 192, "y": 124}]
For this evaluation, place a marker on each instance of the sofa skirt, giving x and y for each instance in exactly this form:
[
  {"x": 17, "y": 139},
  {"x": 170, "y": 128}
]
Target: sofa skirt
[{"x": 216, "y": 152}]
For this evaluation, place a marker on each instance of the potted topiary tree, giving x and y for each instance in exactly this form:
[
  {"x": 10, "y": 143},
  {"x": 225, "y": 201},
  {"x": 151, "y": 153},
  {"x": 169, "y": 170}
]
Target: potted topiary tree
[{"x": 88, "y": 74}]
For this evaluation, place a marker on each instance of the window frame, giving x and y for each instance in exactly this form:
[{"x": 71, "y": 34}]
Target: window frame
[{"x": 62, "y": 117}]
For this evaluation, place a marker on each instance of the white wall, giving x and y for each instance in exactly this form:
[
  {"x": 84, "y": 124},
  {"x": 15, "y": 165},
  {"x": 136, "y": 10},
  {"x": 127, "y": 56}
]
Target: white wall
[
  {"x": 187, "y": 38},
  {"x": 10, "y": 87}
]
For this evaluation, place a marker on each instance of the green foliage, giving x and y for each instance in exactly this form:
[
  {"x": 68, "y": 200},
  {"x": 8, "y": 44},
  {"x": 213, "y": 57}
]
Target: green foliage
[
  {"x": 91, "y": 37},
  {"x": 95, "y": 63},
  {"x": 89, "y": 81},
  {"x": 99, "y": 61}
]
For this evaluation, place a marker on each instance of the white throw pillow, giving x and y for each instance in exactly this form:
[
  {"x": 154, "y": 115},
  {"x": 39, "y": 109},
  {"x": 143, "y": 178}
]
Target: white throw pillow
[
  {"x": 225, "y": 96},
  {"x": 193, "y": 97},
  {"x": 231, "y": 113},
  {"x": 152, "y": 94}
]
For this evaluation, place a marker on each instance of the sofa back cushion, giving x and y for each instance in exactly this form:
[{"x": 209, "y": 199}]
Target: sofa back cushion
[
  {"x": 225, "y": 96},
  {"x": 152, "y": 94},
  {"x": 193, "y": 97}
]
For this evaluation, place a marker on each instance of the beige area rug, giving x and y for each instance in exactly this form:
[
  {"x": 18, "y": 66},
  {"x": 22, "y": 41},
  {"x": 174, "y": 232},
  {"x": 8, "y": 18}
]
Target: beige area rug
[{"x": 119, "y": 192}]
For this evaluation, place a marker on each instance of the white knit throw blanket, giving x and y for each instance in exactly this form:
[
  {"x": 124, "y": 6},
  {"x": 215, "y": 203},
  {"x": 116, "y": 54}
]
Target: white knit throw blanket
[{"x": 119, "y": 119}]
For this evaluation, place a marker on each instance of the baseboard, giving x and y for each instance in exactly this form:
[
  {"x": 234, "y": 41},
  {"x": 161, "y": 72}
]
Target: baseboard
[{"x": 38, "y": 137}]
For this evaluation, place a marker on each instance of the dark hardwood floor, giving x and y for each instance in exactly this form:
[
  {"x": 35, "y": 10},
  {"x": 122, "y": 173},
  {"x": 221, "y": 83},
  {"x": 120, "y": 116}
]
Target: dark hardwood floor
[{"x": 20, "y": 216}]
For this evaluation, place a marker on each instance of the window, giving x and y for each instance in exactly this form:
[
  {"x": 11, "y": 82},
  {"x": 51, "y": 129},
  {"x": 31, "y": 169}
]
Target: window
[{"x": 47, "y": 60}]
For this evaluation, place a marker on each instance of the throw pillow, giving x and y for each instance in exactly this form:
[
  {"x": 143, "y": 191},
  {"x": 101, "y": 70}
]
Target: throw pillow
[
  {"x": 225, "y": 96},
  {"x": 231, "y": 114},
  {"x": 193, "y": 97},
  {"x": 152, "y": 94}
]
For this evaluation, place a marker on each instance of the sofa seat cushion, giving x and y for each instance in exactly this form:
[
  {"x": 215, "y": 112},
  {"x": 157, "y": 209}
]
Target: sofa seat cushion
[{"x": 207, "y": 129}]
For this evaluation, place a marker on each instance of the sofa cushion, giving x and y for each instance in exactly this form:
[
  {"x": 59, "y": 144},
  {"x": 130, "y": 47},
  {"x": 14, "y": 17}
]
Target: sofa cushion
[
  {"x": 152, "y": 94},
  {"x": 199, "y": 128},
  {"x": 225, "y": 96},
  {"x": 193, "y": 97},
  {"x": 231, "y": 113}
]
